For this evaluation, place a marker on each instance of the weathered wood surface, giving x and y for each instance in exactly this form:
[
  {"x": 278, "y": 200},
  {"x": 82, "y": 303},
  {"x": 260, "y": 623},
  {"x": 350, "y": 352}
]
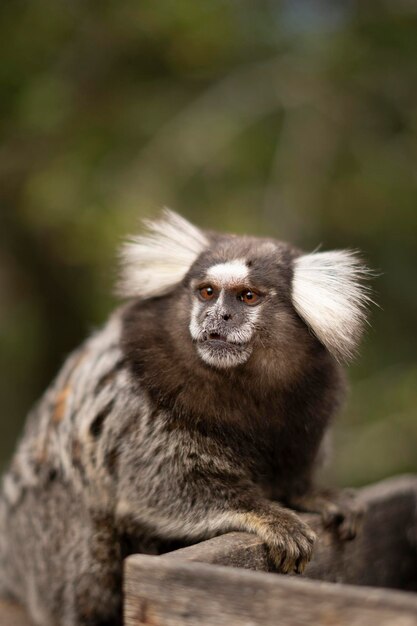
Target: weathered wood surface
[
  {"x": 192, "y": 586},
  {"x": 171, "y": 592}
]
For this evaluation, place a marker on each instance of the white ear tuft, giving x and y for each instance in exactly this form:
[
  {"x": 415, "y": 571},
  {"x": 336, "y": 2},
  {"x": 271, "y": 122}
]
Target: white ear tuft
[
  {"x": 151, "y": 264},
  {"x": 329, "y": 294}
]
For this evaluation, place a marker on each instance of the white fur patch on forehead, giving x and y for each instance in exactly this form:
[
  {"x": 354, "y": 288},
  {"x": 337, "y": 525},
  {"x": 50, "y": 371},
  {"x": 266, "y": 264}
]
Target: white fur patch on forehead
[
  {"x": 329, "y": 294},
  {"x": 229, "y": 274},
  {"x": 153, "y": 263}
]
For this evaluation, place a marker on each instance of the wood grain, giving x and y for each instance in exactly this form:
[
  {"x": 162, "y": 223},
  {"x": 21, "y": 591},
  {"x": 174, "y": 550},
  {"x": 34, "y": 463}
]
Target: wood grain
[{"x": 171, "y": 592}]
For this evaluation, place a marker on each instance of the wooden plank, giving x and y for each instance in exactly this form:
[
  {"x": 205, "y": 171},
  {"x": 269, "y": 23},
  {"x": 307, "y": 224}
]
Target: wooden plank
[
  {"x": 383, "y": 554},
  {"x": 172, "y": 592}
]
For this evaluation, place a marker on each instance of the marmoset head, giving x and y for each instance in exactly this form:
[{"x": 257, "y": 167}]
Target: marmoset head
[{"x": 245, "y": 293}]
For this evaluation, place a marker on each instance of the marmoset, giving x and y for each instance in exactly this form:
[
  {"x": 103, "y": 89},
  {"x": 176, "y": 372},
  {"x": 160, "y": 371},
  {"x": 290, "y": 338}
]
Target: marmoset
[{"x": 200, "y": 408}]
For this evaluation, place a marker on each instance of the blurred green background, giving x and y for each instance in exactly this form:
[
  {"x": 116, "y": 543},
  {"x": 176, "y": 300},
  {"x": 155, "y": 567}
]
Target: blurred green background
[{"x": 294, "y": 119}]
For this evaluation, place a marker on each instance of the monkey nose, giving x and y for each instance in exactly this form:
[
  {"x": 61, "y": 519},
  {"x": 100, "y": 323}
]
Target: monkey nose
[{"x": 226, "y": 316}]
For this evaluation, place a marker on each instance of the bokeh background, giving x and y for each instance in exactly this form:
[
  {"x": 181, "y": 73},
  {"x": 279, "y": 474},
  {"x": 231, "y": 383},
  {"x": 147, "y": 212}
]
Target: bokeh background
[{"x": 294, "y": 119}]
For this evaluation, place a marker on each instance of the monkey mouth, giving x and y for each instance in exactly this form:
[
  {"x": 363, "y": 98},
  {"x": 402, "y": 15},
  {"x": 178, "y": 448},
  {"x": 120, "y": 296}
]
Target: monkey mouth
[{"x": 217, "y": 339}]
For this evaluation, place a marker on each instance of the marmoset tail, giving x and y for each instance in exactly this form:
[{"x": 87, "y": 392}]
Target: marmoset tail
[{"x": 199, "y": 408}]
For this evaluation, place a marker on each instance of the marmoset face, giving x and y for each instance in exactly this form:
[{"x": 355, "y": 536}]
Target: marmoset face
[
  {"x": 235, "y": 301},
  {"x": 224, "y": 314}
]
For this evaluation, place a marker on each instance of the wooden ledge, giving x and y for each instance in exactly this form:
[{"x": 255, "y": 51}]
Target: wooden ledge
[{"x": 173, "y": 592}]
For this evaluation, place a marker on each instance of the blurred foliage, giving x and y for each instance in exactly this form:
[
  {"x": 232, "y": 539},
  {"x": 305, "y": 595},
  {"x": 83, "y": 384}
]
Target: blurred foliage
[{"x": 295, "y": 119}]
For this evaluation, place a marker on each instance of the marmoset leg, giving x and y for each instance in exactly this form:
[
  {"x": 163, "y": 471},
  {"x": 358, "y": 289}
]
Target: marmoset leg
[
  {"x": 210, "y": 507},
  {"x": 290, "y": 541}
]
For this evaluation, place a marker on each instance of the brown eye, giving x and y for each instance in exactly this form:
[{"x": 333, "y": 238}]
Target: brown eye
[
  {"x": 248, "y": 297},
  {"x": 206, "y": 293}
]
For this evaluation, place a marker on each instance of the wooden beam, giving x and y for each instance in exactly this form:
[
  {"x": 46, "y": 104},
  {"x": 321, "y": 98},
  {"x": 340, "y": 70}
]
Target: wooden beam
[{"x": 172, "y": 592}]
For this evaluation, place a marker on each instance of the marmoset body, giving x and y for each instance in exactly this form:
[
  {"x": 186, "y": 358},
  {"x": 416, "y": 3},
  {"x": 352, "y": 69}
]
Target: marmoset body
[{"x": 200, "y": 408}]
